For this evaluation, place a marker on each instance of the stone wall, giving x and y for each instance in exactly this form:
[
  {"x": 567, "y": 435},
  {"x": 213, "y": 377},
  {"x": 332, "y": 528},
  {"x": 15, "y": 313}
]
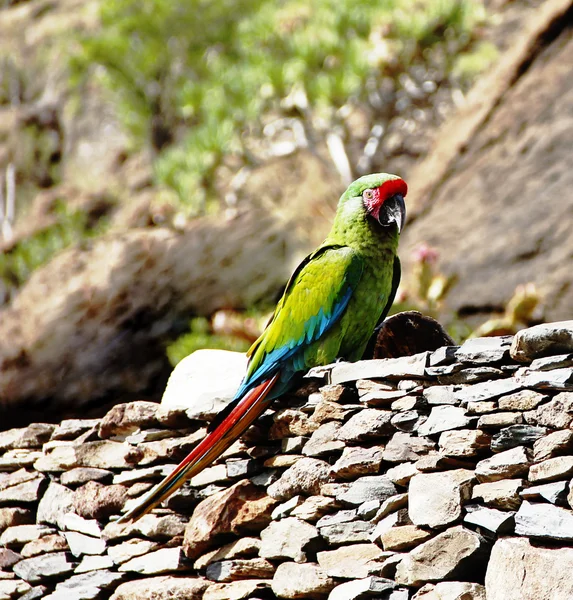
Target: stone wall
[{"x": 441, "y": 476}]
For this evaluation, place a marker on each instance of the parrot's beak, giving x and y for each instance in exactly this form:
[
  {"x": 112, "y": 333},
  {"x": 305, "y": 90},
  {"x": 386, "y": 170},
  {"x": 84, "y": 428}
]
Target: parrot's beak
[{"x": 394, "y": 211}]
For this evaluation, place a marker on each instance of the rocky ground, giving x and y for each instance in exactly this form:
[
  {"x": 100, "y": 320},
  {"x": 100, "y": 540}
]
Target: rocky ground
[{"x": 440, "y": 476}]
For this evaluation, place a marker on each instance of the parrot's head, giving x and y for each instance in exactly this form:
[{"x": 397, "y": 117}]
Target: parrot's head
[{"x": 379, "y": 197}]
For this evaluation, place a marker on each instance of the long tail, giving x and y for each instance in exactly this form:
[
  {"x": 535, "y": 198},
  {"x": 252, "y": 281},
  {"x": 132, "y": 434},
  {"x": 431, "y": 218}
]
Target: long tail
[{"x": 211, "y": 447}]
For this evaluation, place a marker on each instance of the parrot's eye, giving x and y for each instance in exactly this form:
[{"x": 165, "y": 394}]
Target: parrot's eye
[{"x": 368, "y": 195}]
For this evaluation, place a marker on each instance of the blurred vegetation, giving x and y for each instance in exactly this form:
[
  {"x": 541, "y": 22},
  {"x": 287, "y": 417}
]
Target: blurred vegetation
[
  {"x": 70, "y": 227},
  {"x": 197, "y": 81}
]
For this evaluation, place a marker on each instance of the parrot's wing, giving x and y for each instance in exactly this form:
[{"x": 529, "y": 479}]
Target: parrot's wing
[
  {"x": 314, "y": 299},
  {"x": 396, "y": 275}
]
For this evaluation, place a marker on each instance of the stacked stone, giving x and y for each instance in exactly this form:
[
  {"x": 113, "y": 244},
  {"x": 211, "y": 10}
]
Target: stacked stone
[{"x": 434, "y": 477}]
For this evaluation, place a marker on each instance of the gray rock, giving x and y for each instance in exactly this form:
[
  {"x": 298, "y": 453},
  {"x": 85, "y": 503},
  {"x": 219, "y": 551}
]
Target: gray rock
[
  {"x": 436, "y": 499},
  {"x": 80, "y": 475},
  {"x": 440, "y": 394},
  {"x": 48, "y": 543},
  {"x": 14, "y": 589},
  {"x": 161, "y": 561},
  {"x": 502, "y": 494},
  {"x": 398, "y": 368},
  {"x": 70, "y": 429},
  {"x": 240, "y": 568},
  {"x": 8, "y": 558},
  {"x": 484, "y": 350},
  {"x": 73, "y": 522},
  {"x": 552, "y": 492},
  {"x": 55, "y": 503},
  {"x": 124, "y": 419},
  {"x": 518, "y": 570},
  {"x": 394, "y": 519},
  {"x": 557, "y": 379},
  {"x": 472, "y": 375},
  {"x": 451, "y": 590},
  {"x": 40, "y": 568},
  {"x": 496, "y": 521},
  {"x": 542, "y": 340},
  {"x": 560, "y": 467},
  {"x": 383, "y": 398},
  {"x": 163, "y": 587},
  {"x": 500, "y": 419},
  {"x": 544, "y": 521},
  {"x": 363, "y": 588},
  {"x": 18, "y": 535},
  {"x": 288, "y": 538},
  {"x": 352, "y": 562},
  {"x": 12, "y": 515},
  {"x": 155, "y": 527},
  {"x": 516, "y": 435},
  {"x": 368, "y": 424},
  {"x": 444, "y": 418},
  {"x": 358, "y": 461},
  {"x": 523, "y": 400},
  {"x": 304, "y": 477},
  {"x": 404, "y": 447},
  {"x": 408, "y": 420},
  {"x": 558, "y": 413},
  {"x": 403, "y": 537},
  {"x": 28, "y": 491},
  {"x": 368, "y": 510},
  {"x": 449, "y": 555},
  {"x": 237, "y": 590},
  {"x": 150, "y": 473},
  {"x": 94, "y": 563},
  {"x": 443, "y": 356},
  {"x": 130, "y": 549},
  {"x": 341, "y": 516},
  {"x": 402, "y": 473},
  {"x": 390, "y": 505},
  {"x": 242, "y": 467},
  {"x": 480, "y": 408},
  {"x": 355, "y": 532},
  {"x": 314, "y": 508},
  {"x": 33, "y": 436},
  {"x": 101, "y": 454},
  {"x": 505, "y": 465},
  {"x": 489, "y": 390},
  {"x": 84, "y": 544},
  {"x": 553, "y": 444},
  {"x": 324, "y": 441},
  {"x": 293, "y": 580},
  {"x": 552, "y": 362},
  {"x": 283, "y": 510},
  {"x": 464, "y": 442},
  {"x": 87, "y": 586},
  {"x": 241, "y": 548},
  {"x": 373, "y": 487},
  {"x": 18, "y": 458}
]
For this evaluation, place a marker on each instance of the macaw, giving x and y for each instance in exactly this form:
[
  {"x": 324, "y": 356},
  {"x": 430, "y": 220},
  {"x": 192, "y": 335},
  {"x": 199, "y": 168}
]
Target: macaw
[{"x": 329, "y": 310}]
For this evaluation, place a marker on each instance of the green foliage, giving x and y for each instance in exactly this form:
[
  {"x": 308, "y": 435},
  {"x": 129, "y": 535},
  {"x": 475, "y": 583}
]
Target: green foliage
[
  {"x": 71, "y": 227},
  {"x": 470, "y": 64},
  {"x": 200, "y": 336},
  {"x": 195, "y": 79}
]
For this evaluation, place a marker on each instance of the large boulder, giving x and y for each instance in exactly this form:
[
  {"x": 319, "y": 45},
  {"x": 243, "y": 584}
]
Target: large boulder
[
  {"x": 494, "y": 197},
  {"x": 94, "y": 321}
]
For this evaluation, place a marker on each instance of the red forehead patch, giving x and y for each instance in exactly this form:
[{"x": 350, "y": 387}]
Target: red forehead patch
[
  {"x": 375, "y": 198},
  {"x": 392, "y": 187}
]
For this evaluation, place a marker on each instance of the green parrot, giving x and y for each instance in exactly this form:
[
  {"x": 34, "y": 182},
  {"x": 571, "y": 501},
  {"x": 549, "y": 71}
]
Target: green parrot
[{"x": 331, "y": 305}]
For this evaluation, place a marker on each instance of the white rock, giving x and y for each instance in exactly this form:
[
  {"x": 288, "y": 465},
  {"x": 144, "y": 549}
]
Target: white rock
[
  {"x": 204, "y": 382},
  {"x": 517, "y": 570}
]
